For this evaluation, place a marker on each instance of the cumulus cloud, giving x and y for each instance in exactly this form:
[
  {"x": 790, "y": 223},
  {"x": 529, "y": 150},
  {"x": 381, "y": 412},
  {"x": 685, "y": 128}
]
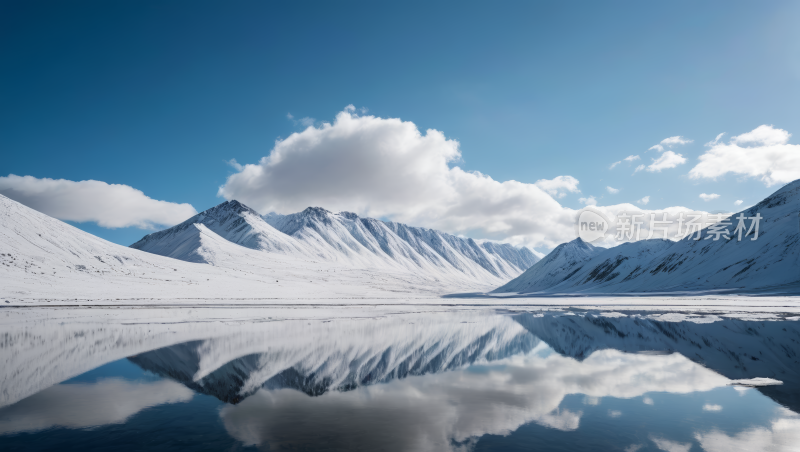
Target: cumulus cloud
[
  {"x": 559, "y": 186},
  {"x": 763, "y": 153},
  {"x": 667, "y": 160},
  {"x": 647, "y": 401},
  {"x": 644, "y": 200},
  {"x": 590, "y": 201},
  {"x": 109, "y": 205},
  {"x": 709, "y": 197},
  {"x": 638, "y": 168},
  {"x": 387, "y": 168},
  {"x": 712, "y": 407},
  {"x": 738, "y": 202},
  {"x": 614, "y": 413},
  {"x": 613, "y": 191}
]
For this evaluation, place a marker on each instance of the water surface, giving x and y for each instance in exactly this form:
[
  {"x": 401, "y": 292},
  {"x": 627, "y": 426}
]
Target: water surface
[{"x": 361, "y": 379}]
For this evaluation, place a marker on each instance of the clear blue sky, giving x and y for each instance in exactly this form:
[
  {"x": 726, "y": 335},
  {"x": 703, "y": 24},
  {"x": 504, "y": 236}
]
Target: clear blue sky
[{"x": 158, "y": 95}]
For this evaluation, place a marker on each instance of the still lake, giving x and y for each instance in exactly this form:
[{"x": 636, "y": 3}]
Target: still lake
[{"x": 397, "y": 379}]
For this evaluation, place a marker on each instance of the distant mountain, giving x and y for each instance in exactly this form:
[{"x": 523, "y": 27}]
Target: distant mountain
[
  {"x": 770, "y": 263},
  {"x": 347, "y": 240}
]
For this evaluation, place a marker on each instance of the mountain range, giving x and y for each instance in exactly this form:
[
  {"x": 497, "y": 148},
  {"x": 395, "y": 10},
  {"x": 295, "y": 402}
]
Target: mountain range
[
  {"x": 231, "y": 254},
  {"x": 343, "y": 239},
  {"x": 768, "y": 263}
]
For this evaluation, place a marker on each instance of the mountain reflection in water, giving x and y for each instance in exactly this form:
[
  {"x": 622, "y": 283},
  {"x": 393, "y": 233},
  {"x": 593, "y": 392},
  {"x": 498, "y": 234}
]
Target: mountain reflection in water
[{"x": 423, "y": 381}]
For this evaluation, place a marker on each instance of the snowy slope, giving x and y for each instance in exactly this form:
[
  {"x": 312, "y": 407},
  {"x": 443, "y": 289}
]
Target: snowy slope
[
  {"x": 772, "y": 262},
  {"x": 560, "y": 264},
  {"x": 44, "y": 258},
  {"x": 347, "y": 237},
  {"x": 611, "y": 266}
]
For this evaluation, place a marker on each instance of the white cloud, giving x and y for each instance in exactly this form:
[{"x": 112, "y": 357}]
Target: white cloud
[
  {"x": 387, "y": 168},
  {"x": 738, "y": 202},
  {"x": 669, "y": 142},
  {"x": 707, "y": 197},
  {"x": 676, "y": 140},
  {"x": 614, "y": 413},
  {"x": 613, "y": 191},
  {"x": 559, "y": 186},
  {"x": 647, "y": 401},
  {"x": 764, "y": 153},
  {"x": 667, "y": 160},
  {"x": 590, "y": 201},
  {"x": 234, "y": 164},
  {"x": 644, "y": 200},
  {"x": 638, "y": 168},
  {"x": 629, "y": 158},
  {"x": 109, "y": 205},
  {"x": 712, "y": 407},
  {"x": 671, "y": 446}
]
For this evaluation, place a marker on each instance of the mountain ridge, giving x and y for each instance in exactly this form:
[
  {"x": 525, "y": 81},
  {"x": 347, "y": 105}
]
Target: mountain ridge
[{"x": 346, "y": 239}]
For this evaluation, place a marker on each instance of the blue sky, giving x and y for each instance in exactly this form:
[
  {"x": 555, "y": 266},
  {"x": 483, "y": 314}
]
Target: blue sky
[{"x": 159, "y": 95}]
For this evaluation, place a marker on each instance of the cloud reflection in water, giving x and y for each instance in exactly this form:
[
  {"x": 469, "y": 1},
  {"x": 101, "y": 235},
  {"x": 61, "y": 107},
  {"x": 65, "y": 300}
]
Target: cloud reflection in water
[{"x": 451, "y": 410}]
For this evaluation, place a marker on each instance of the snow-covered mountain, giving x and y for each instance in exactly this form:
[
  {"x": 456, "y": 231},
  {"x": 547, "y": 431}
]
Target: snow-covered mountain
[
  {"x": 560, "y": 264},
  {"x": 346, "y": 240},
  {"x": 230, "y": 220},
  {"x": 769, "y": 263},
  {"x": 43, "y": 259}
]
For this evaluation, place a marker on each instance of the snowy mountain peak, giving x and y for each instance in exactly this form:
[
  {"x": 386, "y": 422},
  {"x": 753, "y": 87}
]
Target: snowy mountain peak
[
  {"x": 766, "y": 259},
  {"x": 349, "y": 240},
  {"x": 234, "y": 222},
  {"x": 560, "y": 264}
]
